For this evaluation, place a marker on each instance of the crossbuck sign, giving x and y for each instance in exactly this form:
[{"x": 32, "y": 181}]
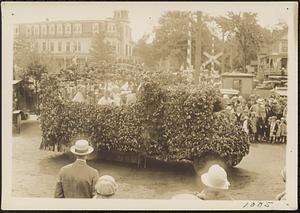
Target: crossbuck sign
[{"x": 213, "y": 59}]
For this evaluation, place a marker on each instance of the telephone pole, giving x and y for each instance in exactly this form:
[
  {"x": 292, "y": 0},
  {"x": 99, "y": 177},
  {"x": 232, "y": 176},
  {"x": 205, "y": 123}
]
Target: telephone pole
[
  {"x": 198, "y": 52},
  {"x": 223, "y": 57}
]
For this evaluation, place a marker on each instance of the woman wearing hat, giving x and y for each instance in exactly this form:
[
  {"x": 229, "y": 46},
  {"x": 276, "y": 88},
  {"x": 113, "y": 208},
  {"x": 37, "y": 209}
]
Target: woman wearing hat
[
  {"x": 273, "y": 129},
  {"x": 106, "y": 187},
  {"x": 278, "y": 132},
  {"x": 283, "y": 130},
  {"x": 77, "y": 180},
  {"x": 253, "y": 125},
  {"x": 216, "y": 184}
]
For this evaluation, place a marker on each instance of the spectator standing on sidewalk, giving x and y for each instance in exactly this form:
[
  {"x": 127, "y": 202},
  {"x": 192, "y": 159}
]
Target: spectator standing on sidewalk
[{"x": 77, "y": 180}]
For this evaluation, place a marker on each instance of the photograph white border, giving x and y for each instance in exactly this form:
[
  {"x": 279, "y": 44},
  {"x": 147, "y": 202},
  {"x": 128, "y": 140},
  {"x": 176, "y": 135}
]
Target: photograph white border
[{"x": 13, "y": 203}]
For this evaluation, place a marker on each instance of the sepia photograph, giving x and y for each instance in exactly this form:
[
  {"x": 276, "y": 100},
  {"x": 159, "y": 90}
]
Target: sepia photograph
[{"x": 149, "y": 105}]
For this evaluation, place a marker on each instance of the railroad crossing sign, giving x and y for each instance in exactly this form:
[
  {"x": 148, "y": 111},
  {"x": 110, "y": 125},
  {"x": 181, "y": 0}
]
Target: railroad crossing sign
[{"x": 212, "y": 59}]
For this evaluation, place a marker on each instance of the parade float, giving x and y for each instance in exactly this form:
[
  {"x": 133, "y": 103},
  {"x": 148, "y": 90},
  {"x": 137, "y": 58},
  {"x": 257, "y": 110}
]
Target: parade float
[{"x": 167, "y": 123}]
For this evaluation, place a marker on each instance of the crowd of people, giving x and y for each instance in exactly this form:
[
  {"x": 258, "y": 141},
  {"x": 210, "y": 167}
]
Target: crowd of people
[
  {"x": 263, "y": 119},
  {"x": 79, "y": 180},
  {"x": 110, "y": 94}
]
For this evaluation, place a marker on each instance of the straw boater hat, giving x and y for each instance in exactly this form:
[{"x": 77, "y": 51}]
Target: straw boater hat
[
  {"x": 216, "y": 178},
  {"x": 81, "y": 147}
]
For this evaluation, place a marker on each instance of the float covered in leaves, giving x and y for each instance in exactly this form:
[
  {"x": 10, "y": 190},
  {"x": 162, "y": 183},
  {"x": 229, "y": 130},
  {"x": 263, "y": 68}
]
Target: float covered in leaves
[{"x": 166, "y": 123}]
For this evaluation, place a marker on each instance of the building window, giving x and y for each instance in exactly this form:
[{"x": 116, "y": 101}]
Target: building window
[
  {"x": 68, "y": 46},
  {"x": 126, "y": 50},
  {"x": 59, "y": 29},
  {"x": 28, "y": 30},
  {"x": 51, "y": 46},
  {"x": 237, "y": 84},
  {"x": 79, "y": 46},
  {"x": 68, "y": 29},
  {"x": 52, "y": 29},
  {"x": 95, "y": 28},
  {"x": 44, "y": 29},
  {"x": 284, "y": 46},
  {"x": 44, "y": 46},
  {"x": 36, "y": 30},
  {"x": 113, "y": 28},
  {"x": 59, "y": 46},
  {"x": 77, "y": 28}
]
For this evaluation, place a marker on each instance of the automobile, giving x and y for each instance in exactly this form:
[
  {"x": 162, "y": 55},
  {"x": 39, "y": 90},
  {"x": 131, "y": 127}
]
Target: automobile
[
  {"x": 267, "y": 85},
  {"x": 19, "y": 104}
]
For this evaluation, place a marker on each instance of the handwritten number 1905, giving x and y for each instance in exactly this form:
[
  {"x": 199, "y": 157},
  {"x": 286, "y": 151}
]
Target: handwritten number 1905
[{"x": 258, "y": 204}]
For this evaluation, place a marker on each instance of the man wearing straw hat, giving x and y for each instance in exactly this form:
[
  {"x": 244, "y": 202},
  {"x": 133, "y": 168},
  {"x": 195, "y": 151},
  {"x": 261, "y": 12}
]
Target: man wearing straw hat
[{"x": 77, "y": 180}]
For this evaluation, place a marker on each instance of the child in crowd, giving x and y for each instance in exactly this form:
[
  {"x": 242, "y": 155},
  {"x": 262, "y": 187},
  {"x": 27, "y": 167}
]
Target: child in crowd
[
  {"x": 253, "y": 126},
  {"x": 246, "y": 125},
  {"x": 267, "y": 128},
  {"x": 283, "y": 130},
  {"x": 238, "y": 113},
  {"x": 278, "y": 132},
  {"x": 273, "y": 129},
  {"x": 106, "y": 187}
]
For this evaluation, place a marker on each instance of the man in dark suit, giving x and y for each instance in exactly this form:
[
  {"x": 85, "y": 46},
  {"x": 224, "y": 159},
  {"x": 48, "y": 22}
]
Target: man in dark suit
[{"x": 77, "y": 180}]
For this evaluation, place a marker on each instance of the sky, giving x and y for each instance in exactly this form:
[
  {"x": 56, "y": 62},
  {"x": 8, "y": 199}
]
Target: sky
[{"x": 143, "y": 15}]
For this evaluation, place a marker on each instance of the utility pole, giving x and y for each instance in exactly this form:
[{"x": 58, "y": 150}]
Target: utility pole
[
  {"x": 198, "y": 52},
  {"x": 189, "y": 44},
  {"x": 223, "y": 57},
  {"x": 231, "y": 57}
]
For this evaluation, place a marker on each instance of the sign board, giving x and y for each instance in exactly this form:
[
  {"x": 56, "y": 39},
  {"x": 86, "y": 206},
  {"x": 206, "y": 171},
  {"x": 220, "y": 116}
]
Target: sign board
[{"x": 212, "y": 58}]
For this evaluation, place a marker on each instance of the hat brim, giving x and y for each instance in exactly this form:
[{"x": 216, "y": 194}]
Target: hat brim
[
  {"x": 205, "y": 181},
  {"x": 89, "y": 151}
]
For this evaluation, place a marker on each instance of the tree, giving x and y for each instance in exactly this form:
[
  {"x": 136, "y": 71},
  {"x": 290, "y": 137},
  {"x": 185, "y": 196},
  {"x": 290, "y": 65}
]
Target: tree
[
  {"x": 100, "y": 51},
  {"x": 246, "y": 33},
  {"x": 145, "y": 52},
  {"x": 23, "y": 55},
  {"x": 35, "y": 71},
  {"x": 171, "y": 36}
]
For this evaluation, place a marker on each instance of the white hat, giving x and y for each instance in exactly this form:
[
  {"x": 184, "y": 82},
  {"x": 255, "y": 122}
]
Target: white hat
[
  {"x": 109, "y": 178},
  {"x": 106, "y": 185},
  {"x": 216, "y": 178},
  {"x": 184, "y": 197},
  {"x": 81, "y": 147}
]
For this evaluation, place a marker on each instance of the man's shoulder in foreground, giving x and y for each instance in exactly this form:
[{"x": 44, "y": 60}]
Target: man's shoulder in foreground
[
  {"x": 66, "y": 167},
  {"x": 93, "y": 170}
]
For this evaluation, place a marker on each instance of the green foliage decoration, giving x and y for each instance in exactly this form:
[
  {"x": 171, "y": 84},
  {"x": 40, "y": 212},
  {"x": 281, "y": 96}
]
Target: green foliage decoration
[{"x": 167, "y": 123}]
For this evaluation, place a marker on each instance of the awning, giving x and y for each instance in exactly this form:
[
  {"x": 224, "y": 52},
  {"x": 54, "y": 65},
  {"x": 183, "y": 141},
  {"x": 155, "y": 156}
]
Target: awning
[
  {"x": 229, "y": 91},
  {"x": 281, "y": 92},
  {"x": 16, "y": 81}
]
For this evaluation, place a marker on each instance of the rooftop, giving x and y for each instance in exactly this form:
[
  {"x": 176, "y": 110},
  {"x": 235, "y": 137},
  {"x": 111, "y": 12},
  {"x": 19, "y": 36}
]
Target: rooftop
[{"x": 237, "y": 74}]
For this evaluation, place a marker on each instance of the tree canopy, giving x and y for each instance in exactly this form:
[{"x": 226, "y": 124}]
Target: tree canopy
[{"x": 100, "y": 50}]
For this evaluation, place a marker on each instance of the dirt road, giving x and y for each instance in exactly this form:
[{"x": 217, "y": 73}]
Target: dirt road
[{"x": 257, "y": 177}]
